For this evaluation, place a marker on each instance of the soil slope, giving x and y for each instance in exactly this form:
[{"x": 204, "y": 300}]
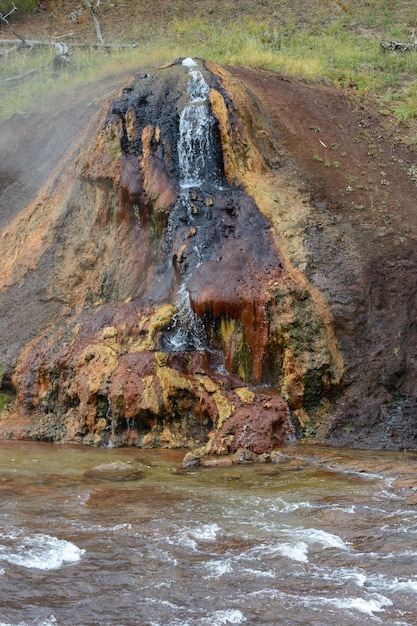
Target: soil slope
[{"x": 361, "y": 237}]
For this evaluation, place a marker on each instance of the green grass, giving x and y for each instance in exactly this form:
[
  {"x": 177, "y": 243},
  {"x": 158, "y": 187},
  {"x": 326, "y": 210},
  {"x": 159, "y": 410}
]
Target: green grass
[
  {"x": 23, "y": 6},
  {"x": 336, "y": 42}
]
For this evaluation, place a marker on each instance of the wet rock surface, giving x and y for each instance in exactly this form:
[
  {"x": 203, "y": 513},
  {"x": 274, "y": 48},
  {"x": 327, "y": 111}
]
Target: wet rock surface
[
  {"x": 118, "y": 471},
  {"x": 217, "y": 305}
]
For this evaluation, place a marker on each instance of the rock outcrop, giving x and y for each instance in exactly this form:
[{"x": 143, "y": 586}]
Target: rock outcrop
[{"x": 179, "y": 320}]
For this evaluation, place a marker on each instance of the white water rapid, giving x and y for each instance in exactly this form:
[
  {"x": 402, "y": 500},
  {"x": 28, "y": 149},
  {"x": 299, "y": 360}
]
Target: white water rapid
[{"x": 308, "y": 542}]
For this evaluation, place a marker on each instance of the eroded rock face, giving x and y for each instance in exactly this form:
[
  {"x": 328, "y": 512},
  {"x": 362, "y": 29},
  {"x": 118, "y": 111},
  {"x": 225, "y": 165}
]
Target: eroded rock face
[{"x": 182, "y": 323}]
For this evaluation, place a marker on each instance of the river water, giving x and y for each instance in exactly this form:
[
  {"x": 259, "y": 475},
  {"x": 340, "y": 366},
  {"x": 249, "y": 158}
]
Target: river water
[{"x": 325, "y": 537}]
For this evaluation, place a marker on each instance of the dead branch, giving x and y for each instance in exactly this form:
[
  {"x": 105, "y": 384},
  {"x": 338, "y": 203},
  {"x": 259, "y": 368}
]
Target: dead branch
[
  {"x": 5, "y": 53},
  {"x": 402, "y": 47},
  {"x": 61, "y": 57},
  {"x": 3, "y": 18},
  {"x": 23, "y": 76},
  {"x": 60, "y": 60},
  {"x": 397, "y": 45},
  {"x": 61, "y": 49},
  {"x": 63, "y": 36},
  {"x": 93, "y": 10}
]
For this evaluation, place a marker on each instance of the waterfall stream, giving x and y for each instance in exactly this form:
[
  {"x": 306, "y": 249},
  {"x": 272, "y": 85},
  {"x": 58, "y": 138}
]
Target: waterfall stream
[
  {"x": 195, "y": 149},
  {"x": 187, "y": 332},
  {"x": 198, "y": 168}
]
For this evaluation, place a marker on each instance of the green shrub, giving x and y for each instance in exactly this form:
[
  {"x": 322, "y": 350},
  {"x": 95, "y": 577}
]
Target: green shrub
[{"x": 23, "y": 6}]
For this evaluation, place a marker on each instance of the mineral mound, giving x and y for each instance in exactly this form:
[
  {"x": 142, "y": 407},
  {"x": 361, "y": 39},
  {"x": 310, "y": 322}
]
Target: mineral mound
[{"x": 164, "y": 303}]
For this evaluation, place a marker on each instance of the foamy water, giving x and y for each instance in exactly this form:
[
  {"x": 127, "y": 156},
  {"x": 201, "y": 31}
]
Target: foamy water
[
  {"x": 50, "y": 621},
  {"x": 195, "y": 133},
  {"x": 37, "y": 551}
]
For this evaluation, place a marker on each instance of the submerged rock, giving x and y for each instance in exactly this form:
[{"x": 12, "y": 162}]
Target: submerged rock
[
  {"x": 243, "y": 455},
  {"x": 191, "y": 460},
  {"x": 115, "y": 471},
  {"x": 217, "y": 462}
]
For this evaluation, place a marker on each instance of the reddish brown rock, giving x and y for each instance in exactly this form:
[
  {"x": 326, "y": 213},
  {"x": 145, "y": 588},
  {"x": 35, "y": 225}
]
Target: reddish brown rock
[{"x": 257, "y": 427}]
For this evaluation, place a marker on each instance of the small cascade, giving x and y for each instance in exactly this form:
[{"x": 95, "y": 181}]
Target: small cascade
[
  {"x": 187, "y": 332},
  {"x": 196, "y": 154},
  {"x": 198, "y": 167}
]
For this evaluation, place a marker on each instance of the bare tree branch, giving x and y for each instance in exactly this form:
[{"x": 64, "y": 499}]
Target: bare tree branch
[
  {"x": 12, "y": 10},
  {"x": 63, "y": 36},
  {"x": 60, "y": 60},
  {"x": 4, "y": 19},
  {"x": 62, "y": 49},
  {"x": 93, "y": 10}
]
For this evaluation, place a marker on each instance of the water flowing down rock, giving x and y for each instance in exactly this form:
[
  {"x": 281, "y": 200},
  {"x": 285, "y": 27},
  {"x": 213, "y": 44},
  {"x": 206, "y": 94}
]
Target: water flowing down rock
[{"x": 183, "y": 319}]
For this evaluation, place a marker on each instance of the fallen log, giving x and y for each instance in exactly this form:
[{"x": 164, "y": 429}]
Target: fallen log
[
  {"x": 12, "y": 79},
  {"x": 397, "y": 45},
  {"x": 33, "y": 43}
]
